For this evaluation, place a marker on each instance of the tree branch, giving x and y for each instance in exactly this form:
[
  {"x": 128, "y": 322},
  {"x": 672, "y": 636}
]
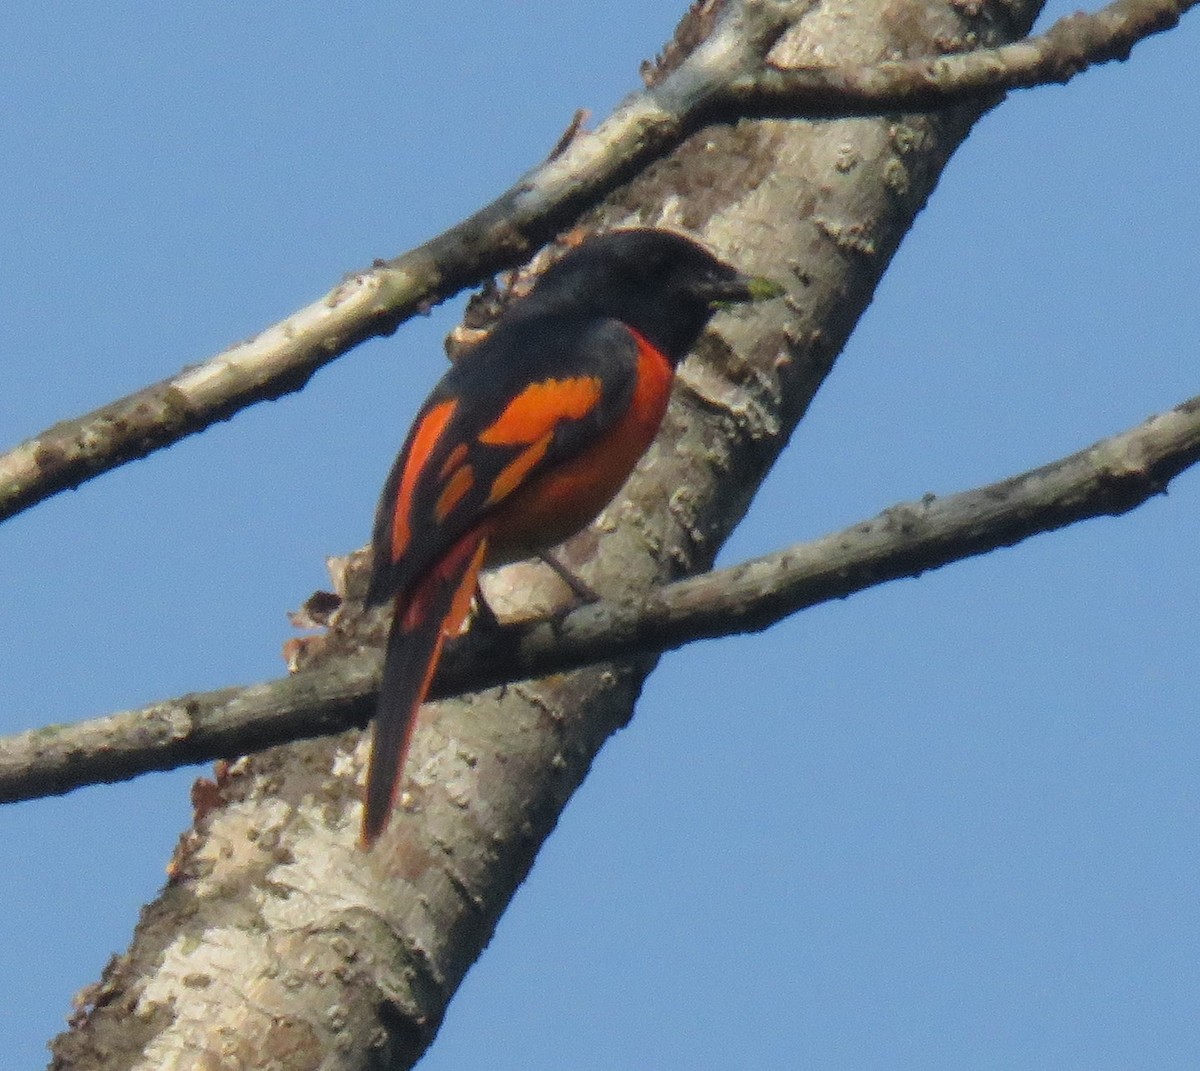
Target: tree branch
[
  {"x": 1110, "y": 477},
  {"x": 1072, "y": 45},
  {"x": 724, "y": 79},
  {"x": 376, "y": 301}
]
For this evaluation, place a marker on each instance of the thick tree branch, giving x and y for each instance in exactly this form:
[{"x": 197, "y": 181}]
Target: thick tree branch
[
  {"x": 1110, "y": 477},
  {"x": 724, "y": 79},
  {"x": 351, "y": 957}
]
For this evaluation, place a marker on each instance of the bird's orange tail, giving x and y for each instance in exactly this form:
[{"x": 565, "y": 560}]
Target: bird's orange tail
[{"x": 435, "y": 609}]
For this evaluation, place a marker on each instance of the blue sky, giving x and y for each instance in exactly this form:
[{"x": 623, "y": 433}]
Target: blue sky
[{"x": 948, "y": 823}]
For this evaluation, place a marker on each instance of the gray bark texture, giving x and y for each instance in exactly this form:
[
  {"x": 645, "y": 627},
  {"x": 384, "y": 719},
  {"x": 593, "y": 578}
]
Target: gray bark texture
[{"x": 277, "y": 943}]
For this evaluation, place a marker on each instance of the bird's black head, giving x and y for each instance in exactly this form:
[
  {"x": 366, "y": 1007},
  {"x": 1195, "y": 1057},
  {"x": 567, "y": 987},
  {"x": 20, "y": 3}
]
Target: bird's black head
[{"x": 662, "y": 284}]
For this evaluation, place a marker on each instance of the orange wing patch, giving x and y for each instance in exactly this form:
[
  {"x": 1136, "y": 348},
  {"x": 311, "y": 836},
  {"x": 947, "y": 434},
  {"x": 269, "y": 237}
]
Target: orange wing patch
[
  {"x": 455, "y": 458},
  {"x": 452, "y": 494},
  {"x": 534, "y": 412},
  {"x": 429, "y": 431},
  {"x": 512, "y": 475}
]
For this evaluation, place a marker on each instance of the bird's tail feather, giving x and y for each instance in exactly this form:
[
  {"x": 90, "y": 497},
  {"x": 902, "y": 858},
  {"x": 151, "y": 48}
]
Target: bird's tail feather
[{"x": 435, "y": 609}]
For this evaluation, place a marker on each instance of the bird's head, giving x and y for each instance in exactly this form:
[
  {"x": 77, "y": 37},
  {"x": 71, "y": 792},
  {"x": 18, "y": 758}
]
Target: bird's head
[{"x": 660, "y": 283}]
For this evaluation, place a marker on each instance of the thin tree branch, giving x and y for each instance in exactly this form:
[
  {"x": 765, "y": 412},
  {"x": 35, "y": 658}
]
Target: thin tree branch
[
  {"x": 376, "y": 301},
  {"x": 1069, "y": 47},
  {"x": 724, "y": 79},
  {"x": 1110, "y": 477}
]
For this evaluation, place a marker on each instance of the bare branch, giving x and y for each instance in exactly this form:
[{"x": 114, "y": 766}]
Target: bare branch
[
  {"x": 376, "y": 301},
  {"x": 1069, "y": 47},
  {"x": 724, "y": 79},
  {"x": 1110, "y": 477}
]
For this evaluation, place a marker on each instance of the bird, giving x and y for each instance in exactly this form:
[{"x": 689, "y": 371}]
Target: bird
[{"x": 522, "y": 443}]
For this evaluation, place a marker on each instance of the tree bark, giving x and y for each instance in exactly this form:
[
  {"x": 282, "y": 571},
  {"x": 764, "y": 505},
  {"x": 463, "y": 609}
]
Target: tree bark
[{"x": 277, "y": 943}]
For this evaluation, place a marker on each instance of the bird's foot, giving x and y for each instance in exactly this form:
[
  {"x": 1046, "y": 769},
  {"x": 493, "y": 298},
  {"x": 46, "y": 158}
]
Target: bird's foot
[{"x": 582, "y": 591}]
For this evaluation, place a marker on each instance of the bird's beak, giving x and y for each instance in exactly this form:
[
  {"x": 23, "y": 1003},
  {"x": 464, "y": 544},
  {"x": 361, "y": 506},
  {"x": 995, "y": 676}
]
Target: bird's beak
[{"x": 737, "y": 290}]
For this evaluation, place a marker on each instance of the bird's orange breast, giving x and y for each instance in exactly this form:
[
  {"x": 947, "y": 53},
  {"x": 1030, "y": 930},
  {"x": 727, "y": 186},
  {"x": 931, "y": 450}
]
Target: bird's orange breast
[{"x": 558, "y": 503}]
